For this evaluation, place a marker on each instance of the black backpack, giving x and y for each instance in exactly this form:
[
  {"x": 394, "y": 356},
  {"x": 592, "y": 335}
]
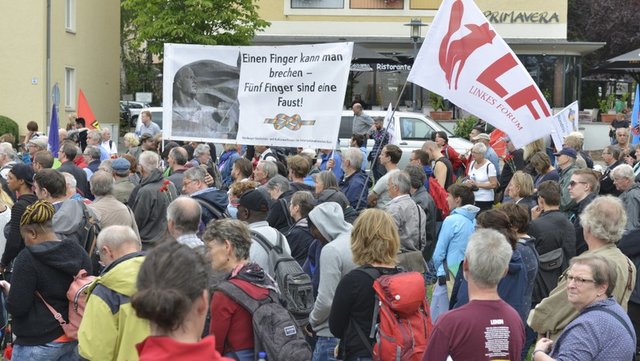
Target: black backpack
[
  {"x": 296, "y": 288},
  {"x": 274, "y": 329}
]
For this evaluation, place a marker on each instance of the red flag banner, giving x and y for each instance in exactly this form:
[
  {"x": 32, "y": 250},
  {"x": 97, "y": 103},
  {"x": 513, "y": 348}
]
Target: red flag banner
[
  {"x": 466, "y": 61},
  {"x": 84, "y": 111}
]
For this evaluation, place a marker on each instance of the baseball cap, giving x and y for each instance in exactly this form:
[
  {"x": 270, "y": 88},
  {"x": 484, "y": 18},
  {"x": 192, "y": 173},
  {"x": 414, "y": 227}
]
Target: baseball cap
[
  {"x": 41, "y": 142},
  {"x": 254, "y": 200},
  {"x": 120, "y": 164},
  {"x": 483, "y": 136},
  {"x": 24, "y": 172},
  {"x": 568, "y": 152}
]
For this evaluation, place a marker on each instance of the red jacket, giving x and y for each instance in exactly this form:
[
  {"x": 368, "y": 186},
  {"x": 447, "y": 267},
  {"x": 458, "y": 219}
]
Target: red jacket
[
  {"x": 162, "y": 348},
  {"x": 230, "y": 322},
  {"x": 453, "y": 156}
]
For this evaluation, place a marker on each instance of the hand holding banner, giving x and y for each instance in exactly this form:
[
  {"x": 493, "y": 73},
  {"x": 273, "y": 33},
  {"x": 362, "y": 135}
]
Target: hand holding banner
[{"x": 465, "y": 60}]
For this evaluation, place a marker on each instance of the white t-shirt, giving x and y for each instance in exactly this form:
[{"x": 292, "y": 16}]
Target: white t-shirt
[
  {"x": 481, "y": 175},
  {"x": 381, "y": 189}
]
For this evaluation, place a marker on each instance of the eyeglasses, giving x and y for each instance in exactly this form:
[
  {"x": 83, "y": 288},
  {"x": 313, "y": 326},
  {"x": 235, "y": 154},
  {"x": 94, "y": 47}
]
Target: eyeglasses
[
  {"x": 578, "y": 280},
  {"x": 573, "y": 183}
]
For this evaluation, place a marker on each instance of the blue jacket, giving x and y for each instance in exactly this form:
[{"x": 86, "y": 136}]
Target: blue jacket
[
  {"x": 226, "y": 163},
  {"x": 511, "y": 289},
  {"x": 352, "y": 187},
  {"x": 453, "y": 238}
]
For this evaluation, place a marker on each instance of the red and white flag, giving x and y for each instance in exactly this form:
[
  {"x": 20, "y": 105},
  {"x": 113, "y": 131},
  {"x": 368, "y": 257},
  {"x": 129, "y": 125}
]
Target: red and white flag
[{"x": 466, "y": 61}]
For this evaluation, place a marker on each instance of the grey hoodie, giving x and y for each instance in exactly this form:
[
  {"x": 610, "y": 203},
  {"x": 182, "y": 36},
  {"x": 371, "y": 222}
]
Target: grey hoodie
[{"x": 335, "y": 261}]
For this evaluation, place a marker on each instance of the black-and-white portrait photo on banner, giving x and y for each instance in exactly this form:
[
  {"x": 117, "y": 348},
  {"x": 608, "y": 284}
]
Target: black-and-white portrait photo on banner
[{"x": 201, "y": 94}]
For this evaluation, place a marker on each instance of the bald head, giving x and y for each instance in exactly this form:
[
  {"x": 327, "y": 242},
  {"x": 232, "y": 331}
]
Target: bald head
[
  {"x": 116, "y": 241},
  {"x": 183, "y": 216}
]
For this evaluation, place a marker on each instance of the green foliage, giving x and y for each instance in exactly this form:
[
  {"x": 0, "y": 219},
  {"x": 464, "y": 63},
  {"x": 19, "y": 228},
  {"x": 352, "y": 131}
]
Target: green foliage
[
  {"x": 607, "y": 103},
  {"x": 208, "y": 22},
  {"x": 463, "y": 126},
  {"x": 8, "y": 125},
  {"x": 437, "y": 102}
]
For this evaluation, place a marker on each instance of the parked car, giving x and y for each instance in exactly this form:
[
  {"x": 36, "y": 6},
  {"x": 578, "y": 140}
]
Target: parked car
[
  {"x": 412, "y": 130},
  {"x": 156, "y": 117},
  {"x": 134, "y": 109}
]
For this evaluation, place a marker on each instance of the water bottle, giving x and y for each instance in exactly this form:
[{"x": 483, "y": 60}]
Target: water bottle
[{"x": 262, "y": 356}]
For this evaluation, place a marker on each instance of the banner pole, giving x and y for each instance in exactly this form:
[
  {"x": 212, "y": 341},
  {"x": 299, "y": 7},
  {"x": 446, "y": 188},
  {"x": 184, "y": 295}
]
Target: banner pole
[{"x": 386, "y": 134}]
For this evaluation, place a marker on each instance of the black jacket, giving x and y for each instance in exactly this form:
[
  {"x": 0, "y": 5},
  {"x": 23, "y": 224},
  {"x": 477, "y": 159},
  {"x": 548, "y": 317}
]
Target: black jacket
[
  {"x": 606, "y": 181},
  {"x": 278, "y": 216},
  {"x": 300, "y": 239},
  {"x": 79, "y": 175},
  {"x": 48, "y": 268},
  {"x": 574, "y": 217},
  {"x": 15, "y": 243},
  {"x": 630, "y": 246},
  {"x": 551, "y": 230}
]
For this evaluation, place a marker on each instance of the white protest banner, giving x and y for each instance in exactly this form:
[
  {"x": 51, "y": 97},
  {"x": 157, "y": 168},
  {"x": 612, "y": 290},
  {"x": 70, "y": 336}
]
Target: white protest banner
[
  {"x": 292, "y": 96},
  {"x": 391, "y": 125},
  {"x": 466, "y": 61},
  {"x": 200, "y": 88},
  {"x": 565, "y": 122},
  {"x": 267, "y": 95}
]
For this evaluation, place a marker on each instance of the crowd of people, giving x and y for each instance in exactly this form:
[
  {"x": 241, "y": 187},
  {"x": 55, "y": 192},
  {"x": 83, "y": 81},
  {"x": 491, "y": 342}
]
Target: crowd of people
[{"x": 531, "y": 254}]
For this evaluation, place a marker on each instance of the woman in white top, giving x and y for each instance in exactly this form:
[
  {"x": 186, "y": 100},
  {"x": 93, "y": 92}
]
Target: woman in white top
[{"x": 482, "y": 175}]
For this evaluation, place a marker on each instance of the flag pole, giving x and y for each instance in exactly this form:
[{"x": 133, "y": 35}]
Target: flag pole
[{"x": 386, "y": 133}]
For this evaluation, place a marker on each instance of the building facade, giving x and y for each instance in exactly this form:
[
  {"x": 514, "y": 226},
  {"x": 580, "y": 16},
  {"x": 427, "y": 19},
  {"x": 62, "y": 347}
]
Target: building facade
[
  {"x": 535, "y": 30},
  {"x": 74, "y": 44}
]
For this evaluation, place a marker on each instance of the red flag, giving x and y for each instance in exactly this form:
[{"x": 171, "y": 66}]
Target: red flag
[
  {"x": 84, "y": 111},
  {"x": 496, "y": 142}
]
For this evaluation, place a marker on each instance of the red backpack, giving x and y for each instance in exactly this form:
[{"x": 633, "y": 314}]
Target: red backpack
[
  {"x": 77, "y": 296},
  {"x": 439, "y": 195},
  {"x": 405, "y": 325}
]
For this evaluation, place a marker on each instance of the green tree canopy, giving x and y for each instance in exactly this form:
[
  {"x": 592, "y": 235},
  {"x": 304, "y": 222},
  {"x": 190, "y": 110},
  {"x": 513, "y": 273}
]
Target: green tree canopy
[{"x": 208, "y": 22}]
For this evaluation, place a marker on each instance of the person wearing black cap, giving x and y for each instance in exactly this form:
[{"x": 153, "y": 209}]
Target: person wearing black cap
[
  {"x": 19, "y": 180},
  {"x": 253, "y": 209},
  {"x": 566, "y": 162}
]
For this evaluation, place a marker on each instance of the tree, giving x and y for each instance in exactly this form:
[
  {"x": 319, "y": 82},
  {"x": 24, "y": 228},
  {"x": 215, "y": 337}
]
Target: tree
[
  {"x": 208, "y": 22},
  {"x": 616, "y": 22}
]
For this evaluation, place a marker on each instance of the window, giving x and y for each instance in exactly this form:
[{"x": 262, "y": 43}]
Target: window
[
  {"x": 414, "y": 129},
  {"x": 70, "y": 15},
  {"x": 317, "y": 4},
  {"x": 69, "y": 88},
  {"x": 377, "y": 4}
]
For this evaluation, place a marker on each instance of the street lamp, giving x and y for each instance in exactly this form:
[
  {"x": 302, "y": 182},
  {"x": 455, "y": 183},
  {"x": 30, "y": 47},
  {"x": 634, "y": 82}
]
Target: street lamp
[{"x": 415, "y": 33}]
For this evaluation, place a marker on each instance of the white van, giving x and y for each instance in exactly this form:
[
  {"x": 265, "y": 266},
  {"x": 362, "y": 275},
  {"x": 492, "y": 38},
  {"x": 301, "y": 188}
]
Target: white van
[{"x": 412, "y": 130}]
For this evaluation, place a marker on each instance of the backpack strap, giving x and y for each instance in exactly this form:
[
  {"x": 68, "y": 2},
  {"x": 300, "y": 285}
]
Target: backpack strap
[
  {"x": 91, "y": 220},
  {"x": 241, "y": 297},
  {"x": 57, "y": 315},
  {"x": 629, "y": 285},
  {"x": 217, "y": 213},
  {"x": 603, "y": 309},
  {"x": 262, "y": 240},
  {"x": 366, "y": 341},
  {"x": 419, "y": 228},
  {"x": 374, "y": 274}
]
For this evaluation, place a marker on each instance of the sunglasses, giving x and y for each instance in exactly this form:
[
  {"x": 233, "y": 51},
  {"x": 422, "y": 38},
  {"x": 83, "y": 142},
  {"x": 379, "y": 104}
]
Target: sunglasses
[{"x": 573, "y": 183}]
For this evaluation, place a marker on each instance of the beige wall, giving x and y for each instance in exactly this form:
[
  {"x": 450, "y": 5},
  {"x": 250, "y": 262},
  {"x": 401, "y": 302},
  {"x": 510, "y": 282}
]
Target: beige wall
[
  {"x": 389, "y": 23},
  {"x": 93, "y": 50},
  {"x": 23, "y": 59}
]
